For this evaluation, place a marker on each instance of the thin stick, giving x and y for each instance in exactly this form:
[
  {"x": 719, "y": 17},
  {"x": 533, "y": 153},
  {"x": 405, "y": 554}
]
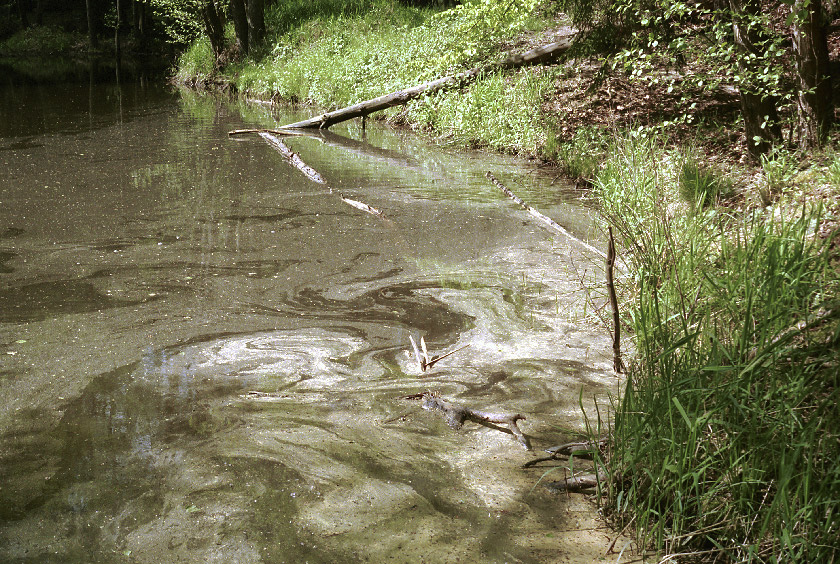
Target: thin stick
[
  {"x": 618, "y": 365},
  {"x": 545, "y": 219}
]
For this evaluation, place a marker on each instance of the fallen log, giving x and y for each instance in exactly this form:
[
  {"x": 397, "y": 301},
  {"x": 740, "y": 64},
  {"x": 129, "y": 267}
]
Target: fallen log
[
  {"x": 534, "y": 56},
  {"x": 545, "y": 219}
]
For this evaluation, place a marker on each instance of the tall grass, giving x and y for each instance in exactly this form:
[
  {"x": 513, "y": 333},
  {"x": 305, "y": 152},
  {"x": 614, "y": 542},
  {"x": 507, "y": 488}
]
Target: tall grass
[{"x": 726, "y": 438}]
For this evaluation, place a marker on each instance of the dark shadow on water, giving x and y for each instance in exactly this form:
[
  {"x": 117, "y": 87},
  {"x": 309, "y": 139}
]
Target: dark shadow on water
[{"x": 42, "y": 300}]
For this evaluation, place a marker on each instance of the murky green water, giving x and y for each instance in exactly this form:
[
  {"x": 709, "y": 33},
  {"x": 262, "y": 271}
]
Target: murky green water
[{"x": 203, "y": 355}]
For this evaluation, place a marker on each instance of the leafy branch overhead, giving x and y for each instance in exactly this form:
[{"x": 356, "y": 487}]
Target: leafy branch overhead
[{"x": 742, "y": 44}]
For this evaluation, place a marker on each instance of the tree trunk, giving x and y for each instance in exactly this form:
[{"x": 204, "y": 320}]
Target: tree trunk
[
  {"x": 117, "y": 33},
  {"x": 256, "y": 21},
  {"x": 23, "y": 13},
  {"x": 240, "y": 24},
  {"x": 816, "y": 107},
  {"x": 90, "y": 24},
  {"x": 214, "y": 26},
  {"x": 761, "y": 119}
]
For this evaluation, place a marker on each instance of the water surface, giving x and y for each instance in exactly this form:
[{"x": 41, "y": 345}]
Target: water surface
[{"x": 204, "y": 354}]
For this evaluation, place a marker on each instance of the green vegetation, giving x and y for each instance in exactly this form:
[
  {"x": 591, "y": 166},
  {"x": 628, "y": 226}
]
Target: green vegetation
[
  {"x": 41, "y": 40},
  {"x": 726, "y": 436},
  {"x": 332, "y": 54}
]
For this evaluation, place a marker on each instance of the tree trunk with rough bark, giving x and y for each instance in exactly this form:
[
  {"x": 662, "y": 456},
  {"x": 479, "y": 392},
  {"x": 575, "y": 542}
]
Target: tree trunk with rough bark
[
  {"x": 214, "y": 26},
  {"x": 256, "y": 21},
  {"x": 240, "y": 24},
  {"x": 761, "y": 119},
  {"x": 816, "y": 106}
]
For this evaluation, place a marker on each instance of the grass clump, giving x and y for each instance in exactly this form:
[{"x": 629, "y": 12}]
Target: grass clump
[
  {"x": 581, "y": 156},
  {"x": 726, "y": 436},
  {"x": 197, "y": 64},
  {"x": 42, "y": 40}
]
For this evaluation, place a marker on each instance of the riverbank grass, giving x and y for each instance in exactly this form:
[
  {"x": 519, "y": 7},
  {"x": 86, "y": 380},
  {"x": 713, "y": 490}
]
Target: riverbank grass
[
  {"x": 726, "y": 436},
  {"x": 332, "y": 60}
]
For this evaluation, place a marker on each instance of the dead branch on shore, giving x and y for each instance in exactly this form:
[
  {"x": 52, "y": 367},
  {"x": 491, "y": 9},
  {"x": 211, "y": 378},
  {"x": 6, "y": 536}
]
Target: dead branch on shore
[
  {"x": 293, "y": 158},
  {"x": 580, "y": 482},
  {"x": 544, "y": 219},
  {"x": 534, "y": 56},
  {"x": 618, "y": 365},
  {"x": 576, "y": 484},
  {"x": 455, "y": 416}
]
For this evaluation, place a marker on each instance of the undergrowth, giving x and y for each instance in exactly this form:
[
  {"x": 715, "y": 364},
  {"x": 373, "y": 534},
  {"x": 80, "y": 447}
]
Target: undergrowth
[
  {"x": 726, "y": 436},
  {"x": 336, "y": 59}
]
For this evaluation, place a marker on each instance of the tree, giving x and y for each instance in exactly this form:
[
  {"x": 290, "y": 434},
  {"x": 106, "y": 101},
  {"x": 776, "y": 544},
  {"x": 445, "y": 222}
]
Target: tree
[
  {"x": 736, "y": 39},
  {"x": 214, "y": 25},
  {"x": 240, "y": 24},
  {"x": 91, "y": 23},
  {"x": 256, "y": 21},
  {"x": 758, "y": 106},
  {"x": 248, "y": 23},
  {"x": 815, "y": 105}
]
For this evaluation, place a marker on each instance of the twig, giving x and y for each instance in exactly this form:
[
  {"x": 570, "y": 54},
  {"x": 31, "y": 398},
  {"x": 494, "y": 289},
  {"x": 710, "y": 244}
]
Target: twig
[
  {"x": 618, "y": 365},
  {"x": 580, "y": 449},
  {"x": 545, "y": 219},
  {"x": 423, "y": 360}
]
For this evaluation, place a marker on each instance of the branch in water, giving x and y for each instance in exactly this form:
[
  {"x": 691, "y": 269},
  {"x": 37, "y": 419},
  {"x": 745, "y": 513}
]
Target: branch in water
[
  {"x": 545, "y": 219},
  {"x": 456, "y": 415},
  {"x": 293, "y": 158}
]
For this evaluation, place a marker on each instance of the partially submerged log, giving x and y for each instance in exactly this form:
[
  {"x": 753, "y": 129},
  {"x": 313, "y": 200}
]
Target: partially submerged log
[
  {"x": 543, "y": 218},
  {"x": 534, "y": 56},
  {"x": 293, "y": 158},
  {"x": 456, "y": 415},
  {"x": 362, "y": 206}
]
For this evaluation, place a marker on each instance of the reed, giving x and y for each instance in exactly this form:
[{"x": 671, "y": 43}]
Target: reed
[{"x": 726, "y": 435}]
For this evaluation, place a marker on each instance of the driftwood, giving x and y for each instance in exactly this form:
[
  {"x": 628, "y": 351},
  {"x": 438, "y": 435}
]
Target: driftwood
[
  {"x": 456, "y": 415},
  {"x": 275, "y": 132},
  {"x": 545, "y": 219},
  {"x": 575, "y": 484},
  {"x": 293, "y": 158},
  {"x": 535, "y": 56}
]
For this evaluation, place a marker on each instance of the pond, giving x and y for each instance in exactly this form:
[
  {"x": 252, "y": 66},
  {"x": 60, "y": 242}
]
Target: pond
[{"x": 205, "y": 356}]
